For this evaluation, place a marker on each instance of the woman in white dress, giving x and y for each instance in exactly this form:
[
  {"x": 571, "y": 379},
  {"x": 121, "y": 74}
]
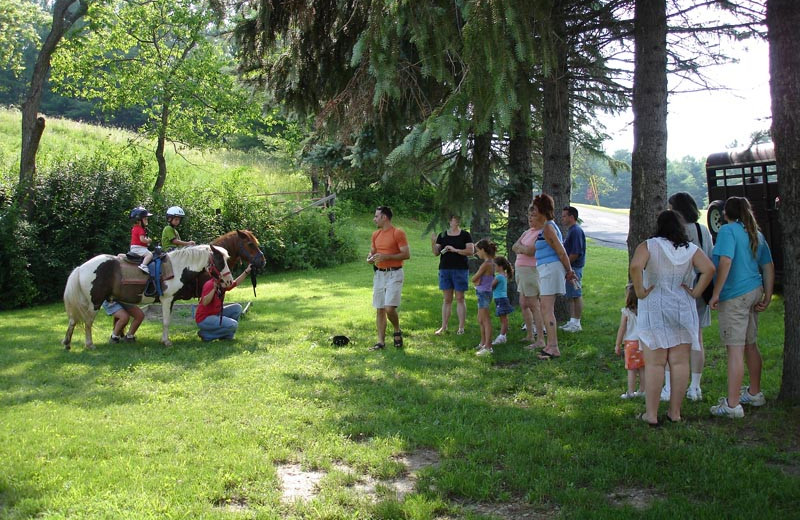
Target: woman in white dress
[
  {"x": 698, "y": 235},
  {"x": 662, "y": 271}
]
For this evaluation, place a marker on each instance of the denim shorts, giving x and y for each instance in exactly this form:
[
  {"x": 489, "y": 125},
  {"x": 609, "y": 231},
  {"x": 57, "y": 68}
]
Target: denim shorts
[
  {"x": 457, "y": 279},
  {"x": 572, "y": 292},
  {"x": 112, "y": 307},
  {"x": 484, "y": 299},
  {"x": 502, "y": 307}
]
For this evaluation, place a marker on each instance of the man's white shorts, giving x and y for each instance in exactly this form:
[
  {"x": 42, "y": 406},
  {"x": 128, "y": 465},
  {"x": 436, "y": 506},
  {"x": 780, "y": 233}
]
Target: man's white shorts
[{"x": 387, "y": 288}]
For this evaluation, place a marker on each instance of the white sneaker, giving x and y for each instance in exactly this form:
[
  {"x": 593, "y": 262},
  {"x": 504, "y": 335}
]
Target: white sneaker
[
  {"x": 723, "y": 410},
  {"x": 499, "y": 340},
  {"x": 571, "y": 327},
  {"x": 480, "y": 347},
  {"x": 565, "y": 326},
  {"x": 638, "y": 394},
  {"x": 694, "y": 394},
  {"x": 144, "y": 269},
  {"x": 628, "y": 395},
  {"x": 525, "y": 327},
  {"x": 665, "y": 394},
  {"x": 753, "y": 400},
  {"x": 484, "y": 351}
]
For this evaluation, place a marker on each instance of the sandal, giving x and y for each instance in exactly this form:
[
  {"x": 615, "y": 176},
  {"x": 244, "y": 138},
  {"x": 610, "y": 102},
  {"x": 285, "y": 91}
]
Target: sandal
[
  {"x": 398, "y": 338},
  {"x": 547, "y": 356},
  {"x": 641, "y": 417},
  {"x": 460, "y": 332},
  {"x": 670, "y": 419},
  {"x": 377, "y": 346},
  {"x": 440, "y": 331}
]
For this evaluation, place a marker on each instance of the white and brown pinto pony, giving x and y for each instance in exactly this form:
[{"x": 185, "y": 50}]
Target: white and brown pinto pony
[{"x": 100, "y": 279}]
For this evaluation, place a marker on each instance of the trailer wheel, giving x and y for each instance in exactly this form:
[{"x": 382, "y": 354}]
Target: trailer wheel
[{"x": 715, "y": 219}]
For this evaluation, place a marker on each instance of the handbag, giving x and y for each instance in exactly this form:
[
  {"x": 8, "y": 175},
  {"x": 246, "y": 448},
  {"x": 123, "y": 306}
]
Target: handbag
[{"x": 708, "y": 292}]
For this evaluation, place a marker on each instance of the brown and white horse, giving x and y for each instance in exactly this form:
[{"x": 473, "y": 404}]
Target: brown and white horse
[{"x": 100, "y": 279}]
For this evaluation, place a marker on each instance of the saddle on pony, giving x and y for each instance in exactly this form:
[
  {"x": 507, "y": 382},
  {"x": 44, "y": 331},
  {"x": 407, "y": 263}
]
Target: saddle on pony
[{"x": 160, "y": 269}]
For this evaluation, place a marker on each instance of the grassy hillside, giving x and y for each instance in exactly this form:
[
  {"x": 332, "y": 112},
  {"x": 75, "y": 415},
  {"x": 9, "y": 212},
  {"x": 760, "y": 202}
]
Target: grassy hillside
[{"x": 64, "y": 139}]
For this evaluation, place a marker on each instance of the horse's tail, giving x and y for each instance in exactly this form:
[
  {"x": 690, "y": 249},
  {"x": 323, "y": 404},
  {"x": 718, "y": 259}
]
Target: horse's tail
[{"x": 76, "y": 302}]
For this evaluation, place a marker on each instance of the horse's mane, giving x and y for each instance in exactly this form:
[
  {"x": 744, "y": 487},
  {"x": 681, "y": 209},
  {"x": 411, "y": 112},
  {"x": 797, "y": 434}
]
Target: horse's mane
[{"x": 193, "y": 254}]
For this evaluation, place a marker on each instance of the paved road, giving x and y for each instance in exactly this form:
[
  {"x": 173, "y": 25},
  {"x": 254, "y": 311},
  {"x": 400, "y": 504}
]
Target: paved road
[{"x": 607, "y": 228}]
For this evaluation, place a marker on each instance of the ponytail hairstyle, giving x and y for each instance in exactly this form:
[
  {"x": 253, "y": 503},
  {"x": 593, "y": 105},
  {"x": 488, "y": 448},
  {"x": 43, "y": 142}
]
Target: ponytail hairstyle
[
  {"x": 631, "y": 301},
  {"x": 739, "y": 209},
  {"x": 488, "y": 246},
  {"x": 506, "y": 266}
]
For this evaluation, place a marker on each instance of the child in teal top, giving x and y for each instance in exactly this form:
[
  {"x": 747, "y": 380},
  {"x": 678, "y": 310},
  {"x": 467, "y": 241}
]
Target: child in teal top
[{"x": 503, "y": 273}]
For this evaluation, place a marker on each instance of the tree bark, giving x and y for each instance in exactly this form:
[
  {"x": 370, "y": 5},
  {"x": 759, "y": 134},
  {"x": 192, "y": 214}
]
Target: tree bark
[
  {"x": 65, "y": 13},
  {"x": 649, "y": 158},
  {"x": 481, "y": 171},
  {"x": 556, "y": 151},
  {"x": 783, "y": 18},
  {"x": 520, "y": 180},
  {"x": 162, "y": 138}
]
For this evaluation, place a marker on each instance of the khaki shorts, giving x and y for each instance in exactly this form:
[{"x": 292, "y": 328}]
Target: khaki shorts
[
  {"x": 738, "y": 320},
  {"x": 552, "y": 279},
  {"x": 387, "y": 288},
  {"x": 527, "y": 281}
]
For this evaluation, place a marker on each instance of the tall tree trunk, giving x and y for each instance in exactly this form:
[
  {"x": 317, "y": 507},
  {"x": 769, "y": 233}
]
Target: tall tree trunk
[
  {"x": 520, "y": 179},
  {"x": 783, "y": 19},
  {"x": 556, "y": 151},
  {"x": 649, "y": 158},
  {"x": 65, "y": 13},
  {"x": 162, "y": 137},
  {"x": 481, "y": 170}
]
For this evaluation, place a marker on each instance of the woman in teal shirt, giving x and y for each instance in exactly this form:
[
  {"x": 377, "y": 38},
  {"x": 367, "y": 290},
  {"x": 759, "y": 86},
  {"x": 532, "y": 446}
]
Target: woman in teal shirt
[{"x": 743, "y": 288}]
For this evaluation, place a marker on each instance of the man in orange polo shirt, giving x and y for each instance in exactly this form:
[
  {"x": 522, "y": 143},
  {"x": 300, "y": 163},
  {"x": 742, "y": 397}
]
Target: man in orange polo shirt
[{"x": 389, "y": 249}]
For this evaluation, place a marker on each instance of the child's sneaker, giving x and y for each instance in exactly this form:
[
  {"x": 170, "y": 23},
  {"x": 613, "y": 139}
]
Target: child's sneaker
[
  {"x": 753, "y": 400},
  {"x": 484, "y": 351},
  {"x": 129, "y": 339},
  {"x": 480, "y": 346},
  {"x": 114, "y": 339},
  {"x": 694, "y": 394},
  {"x": 665, "y": 394},
  {"x": 144, "y": 269},
  {"x": 723, "y": 410},
  {"x": 628, "y": 395},
  {"x": 499, "y": 340},
  {"x": 638, "y": 393}
]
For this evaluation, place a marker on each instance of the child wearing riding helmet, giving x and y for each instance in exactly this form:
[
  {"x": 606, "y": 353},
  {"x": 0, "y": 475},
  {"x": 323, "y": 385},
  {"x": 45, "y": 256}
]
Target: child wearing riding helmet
[
  {"x": 139, "y": 238},
  {"x": 170, "y": 239}
]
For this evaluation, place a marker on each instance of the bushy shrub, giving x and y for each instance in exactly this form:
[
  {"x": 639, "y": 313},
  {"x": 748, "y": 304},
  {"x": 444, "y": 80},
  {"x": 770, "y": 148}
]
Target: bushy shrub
[{"x": 406, "y": 197}]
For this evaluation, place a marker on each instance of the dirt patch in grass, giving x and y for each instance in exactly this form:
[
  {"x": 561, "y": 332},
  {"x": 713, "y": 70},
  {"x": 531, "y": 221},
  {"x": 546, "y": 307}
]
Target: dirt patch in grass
[
  {"x": 511, "y": 511},
  {"x": 299, "y": 484},
  {"x": 638, "y": 498}
]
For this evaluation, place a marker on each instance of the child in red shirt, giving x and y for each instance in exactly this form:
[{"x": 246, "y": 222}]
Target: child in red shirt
[{"x": 139, "y": 238}]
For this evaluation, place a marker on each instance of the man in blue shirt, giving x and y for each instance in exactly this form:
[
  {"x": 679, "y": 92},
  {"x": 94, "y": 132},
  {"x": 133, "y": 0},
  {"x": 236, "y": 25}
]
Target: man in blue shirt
[{"x": 575, "y": 245}]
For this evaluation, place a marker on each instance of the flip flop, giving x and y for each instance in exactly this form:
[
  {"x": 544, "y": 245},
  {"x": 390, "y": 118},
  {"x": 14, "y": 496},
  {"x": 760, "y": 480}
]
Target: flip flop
[
  {"x": 670, "y": 419},
  {"x": 641, "y": 417},
  {"x": 398, "y": 339},
  {"x": 546, "y": 356},
  {"x": 377, "y": 346}
]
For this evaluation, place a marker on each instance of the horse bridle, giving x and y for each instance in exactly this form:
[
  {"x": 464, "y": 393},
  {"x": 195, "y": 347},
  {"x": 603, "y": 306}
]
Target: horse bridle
[
  {"x": 212, "y": 268},
  {"x": 250, "y": 259}
]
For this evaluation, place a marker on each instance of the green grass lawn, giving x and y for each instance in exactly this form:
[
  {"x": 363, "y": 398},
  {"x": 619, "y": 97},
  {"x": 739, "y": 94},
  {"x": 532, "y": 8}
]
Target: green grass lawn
[{"x": 199, "y": 430}]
